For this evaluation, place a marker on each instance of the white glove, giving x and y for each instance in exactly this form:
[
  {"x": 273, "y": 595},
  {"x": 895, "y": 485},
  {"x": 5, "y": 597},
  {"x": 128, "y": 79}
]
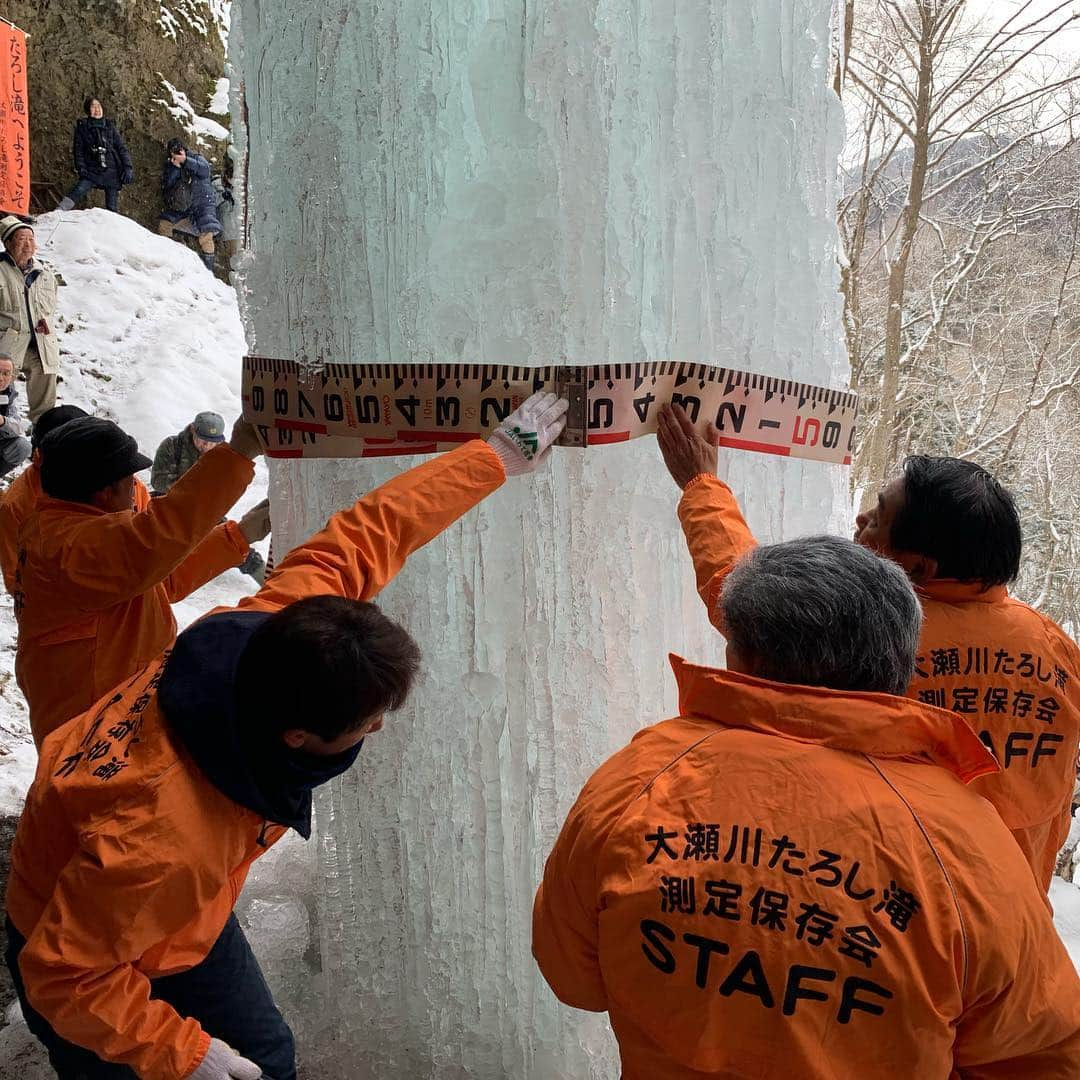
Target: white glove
[
  {"x": 523, "y": 439},
  {"x": 222, "y": 1062}
]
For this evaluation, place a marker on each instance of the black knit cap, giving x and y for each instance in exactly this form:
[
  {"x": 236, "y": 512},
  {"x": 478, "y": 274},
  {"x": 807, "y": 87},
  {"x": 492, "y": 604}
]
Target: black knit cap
[
  {"x": 51, "y": 419},
  {"x": 83, "y": 456}
]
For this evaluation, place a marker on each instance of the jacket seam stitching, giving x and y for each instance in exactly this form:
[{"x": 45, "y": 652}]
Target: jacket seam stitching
[
  {"x": 933, "y": 849},
  {"x": 675, "y": 760}
]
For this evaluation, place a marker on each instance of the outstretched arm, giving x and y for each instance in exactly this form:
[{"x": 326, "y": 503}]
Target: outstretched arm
[
  {"x": 225, "y": 547},
  {"x": 363, "y": 547},
  {"x": 113, "y": 557},
  {"x": 716, "y": 533}
]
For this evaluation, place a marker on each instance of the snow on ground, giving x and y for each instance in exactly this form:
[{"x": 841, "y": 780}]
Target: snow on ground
[{"x": 149, "y": 338}]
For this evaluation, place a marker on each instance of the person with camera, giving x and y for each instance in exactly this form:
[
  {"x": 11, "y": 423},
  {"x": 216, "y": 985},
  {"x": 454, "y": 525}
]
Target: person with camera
[
  {"x": 101, "y": 159},
  {"x": 190, "y": 201}
]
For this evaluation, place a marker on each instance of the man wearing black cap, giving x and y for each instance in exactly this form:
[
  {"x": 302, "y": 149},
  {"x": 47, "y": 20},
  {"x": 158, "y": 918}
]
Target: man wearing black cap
[
  {"x": 94, "y": 580},
  {"x": 27, "y": 306},
  {"x": 177, "y": 453}
]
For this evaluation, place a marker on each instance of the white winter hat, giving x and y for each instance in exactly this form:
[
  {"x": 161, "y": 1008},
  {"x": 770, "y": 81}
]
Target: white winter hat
[{"x": 10, "y": 225}]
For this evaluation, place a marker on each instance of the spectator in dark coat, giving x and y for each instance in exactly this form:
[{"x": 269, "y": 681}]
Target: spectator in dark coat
[
  {"x": 190, "y": 201},
  {"x": 101, "y": 158},
  {"x": 14, "y": 446}
]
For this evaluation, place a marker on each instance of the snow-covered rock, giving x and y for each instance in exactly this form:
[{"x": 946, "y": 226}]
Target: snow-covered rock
[{"x": 200, "y": 128}]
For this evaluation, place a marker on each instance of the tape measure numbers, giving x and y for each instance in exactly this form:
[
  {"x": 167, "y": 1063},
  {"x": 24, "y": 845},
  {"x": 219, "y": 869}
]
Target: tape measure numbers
[{"x": 379, "y": 410}]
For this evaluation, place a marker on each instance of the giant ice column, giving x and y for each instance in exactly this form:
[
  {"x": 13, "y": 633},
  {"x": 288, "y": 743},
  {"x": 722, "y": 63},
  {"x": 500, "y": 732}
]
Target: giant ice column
[{"x": 513, "y": 182}]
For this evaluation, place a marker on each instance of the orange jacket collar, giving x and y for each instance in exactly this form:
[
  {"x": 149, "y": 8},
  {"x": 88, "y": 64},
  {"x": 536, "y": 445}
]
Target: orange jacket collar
[
  {"x": 951, "y": 591},
  {"x": 880, "y": 725},
  {"x": 69, "y": 506}
]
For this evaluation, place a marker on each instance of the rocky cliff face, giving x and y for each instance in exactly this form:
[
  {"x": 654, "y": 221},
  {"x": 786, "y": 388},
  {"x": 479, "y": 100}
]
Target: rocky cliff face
[{"x": 155, "y": 65}]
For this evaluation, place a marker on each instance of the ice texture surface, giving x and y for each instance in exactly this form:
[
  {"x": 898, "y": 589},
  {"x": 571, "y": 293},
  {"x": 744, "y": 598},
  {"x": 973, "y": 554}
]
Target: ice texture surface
[{"x": 497, "y": 182}]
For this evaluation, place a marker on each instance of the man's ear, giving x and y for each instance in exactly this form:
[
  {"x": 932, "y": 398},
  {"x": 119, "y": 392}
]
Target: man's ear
[
  {"x": 738, "y": 661},
  {"x": 294, "y": 738},
  {"x": 919, "y": 568}
]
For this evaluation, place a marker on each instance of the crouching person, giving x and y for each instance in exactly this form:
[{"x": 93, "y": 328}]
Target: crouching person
[
  {"x": 14, "y": 446},
  {"x": 148, "y": 810},
  {"x": 791, "y": 878}
]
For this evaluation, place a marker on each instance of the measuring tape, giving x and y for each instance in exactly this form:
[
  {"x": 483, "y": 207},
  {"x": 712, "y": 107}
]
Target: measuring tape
[{"x": 379, "y": 410}]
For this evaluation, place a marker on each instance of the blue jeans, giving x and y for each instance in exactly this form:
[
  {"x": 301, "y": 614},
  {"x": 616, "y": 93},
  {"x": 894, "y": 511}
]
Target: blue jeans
[
  {"x": 84, "y": 187},
  {"x": 226, "y": 993}
]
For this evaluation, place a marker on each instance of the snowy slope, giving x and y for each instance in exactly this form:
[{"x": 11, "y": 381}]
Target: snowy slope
[{"x": 149, "y": 339}]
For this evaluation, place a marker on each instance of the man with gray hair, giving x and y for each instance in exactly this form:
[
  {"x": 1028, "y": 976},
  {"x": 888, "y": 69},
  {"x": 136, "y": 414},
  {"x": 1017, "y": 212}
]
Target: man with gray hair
[
  {"x": 791, "y": 877},
  {"x": 1008, "y": 670}
]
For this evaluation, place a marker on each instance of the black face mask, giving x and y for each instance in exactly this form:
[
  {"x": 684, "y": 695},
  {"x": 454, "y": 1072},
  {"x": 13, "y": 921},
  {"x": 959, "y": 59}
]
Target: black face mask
[
  {"x": 301, "y": 771},
  {"x": 238, "y": 755},
  {"x": 286, "y": 778}
]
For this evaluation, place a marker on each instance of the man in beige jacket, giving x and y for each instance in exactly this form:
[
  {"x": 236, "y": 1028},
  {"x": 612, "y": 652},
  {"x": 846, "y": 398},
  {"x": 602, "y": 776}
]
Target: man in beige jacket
[{"x": 27, "y": 314}]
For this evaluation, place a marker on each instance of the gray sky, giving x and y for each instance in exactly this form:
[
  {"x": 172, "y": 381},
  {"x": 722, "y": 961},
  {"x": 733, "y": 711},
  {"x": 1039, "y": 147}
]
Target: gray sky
[{"x": 999, "y": 10}]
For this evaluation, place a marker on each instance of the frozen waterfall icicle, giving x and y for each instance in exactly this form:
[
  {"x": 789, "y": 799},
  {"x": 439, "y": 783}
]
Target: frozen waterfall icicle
[{"x": 518, "y": 183}]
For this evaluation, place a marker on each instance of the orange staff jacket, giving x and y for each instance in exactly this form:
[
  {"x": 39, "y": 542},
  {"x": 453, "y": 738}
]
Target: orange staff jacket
[
  {"x": 1011, "y": 673},
  {"x": 17, "y": 504},
  {"x": 794, "y": 881},
  {"x": 93, "y": 590},
  {"x": 127, "y": 860}
]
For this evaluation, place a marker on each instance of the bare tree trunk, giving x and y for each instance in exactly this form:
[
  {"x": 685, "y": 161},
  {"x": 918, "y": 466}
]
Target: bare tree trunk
[
  {"x": 874, "y": 459},
  {"x": 845, "y": 46}
]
